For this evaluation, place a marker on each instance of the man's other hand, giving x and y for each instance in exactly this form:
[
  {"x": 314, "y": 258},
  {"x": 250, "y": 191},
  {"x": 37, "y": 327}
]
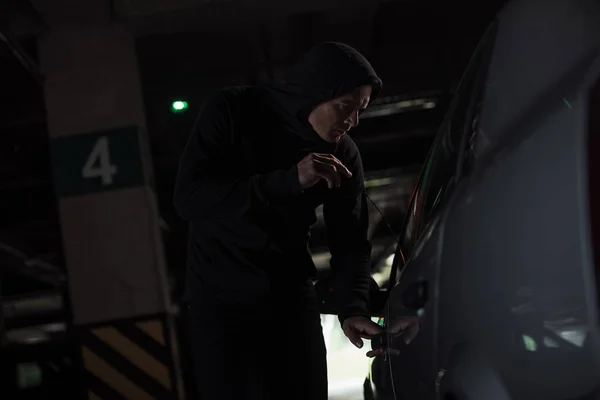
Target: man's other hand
[
  {"x": 315, "y": 166},
  {"x": 358, "y": 328}
]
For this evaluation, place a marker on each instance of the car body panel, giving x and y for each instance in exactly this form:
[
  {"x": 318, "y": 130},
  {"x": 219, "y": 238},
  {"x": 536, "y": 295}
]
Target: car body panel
[
  {"x": 414, "y": 380},
  {"x": 517, "y": 277}
]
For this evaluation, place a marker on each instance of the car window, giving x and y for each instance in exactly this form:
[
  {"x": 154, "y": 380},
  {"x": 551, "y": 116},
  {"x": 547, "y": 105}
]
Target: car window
[
  {"x": 452, "y": 147},
  {"x": 444, "y": 163},
  {"x": 413, "y": 213},
  {"x": 409, "y": 235},
  {"x": 446, "y": 153},
  {"x": 438, "y": 171}
]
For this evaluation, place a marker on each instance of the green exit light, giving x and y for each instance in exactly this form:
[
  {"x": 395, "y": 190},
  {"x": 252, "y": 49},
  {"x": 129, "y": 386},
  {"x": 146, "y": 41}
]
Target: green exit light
[{"x": 179, "y": 106}]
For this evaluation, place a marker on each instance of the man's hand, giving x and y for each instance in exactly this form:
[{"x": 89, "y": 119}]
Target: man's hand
[
  {"x": 358, "y": 328},
  {"x": 315, "y": 166},
  {"x": 404, "y": 330}
]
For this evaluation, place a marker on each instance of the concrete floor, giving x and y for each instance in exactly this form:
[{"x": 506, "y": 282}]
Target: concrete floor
[
  {"x": 354, "y": 395},
  {"x": 347, "y": 365}
]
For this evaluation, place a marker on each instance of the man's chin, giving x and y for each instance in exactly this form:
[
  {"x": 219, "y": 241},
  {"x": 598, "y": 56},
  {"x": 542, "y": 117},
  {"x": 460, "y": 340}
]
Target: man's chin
[
  {"x": 332, "y": 137},
  {"x": 337, "y": 137}
]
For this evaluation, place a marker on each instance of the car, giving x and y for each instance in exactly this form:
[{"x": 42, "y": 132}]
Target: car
[{"x": 494, "y": 287}]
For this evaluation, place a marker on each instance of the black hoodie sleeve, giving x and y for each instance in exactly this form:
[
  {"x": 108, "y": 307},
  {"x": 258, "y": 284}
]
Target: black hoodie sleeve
[
  {"x": 212, "y": 179},
  {"x": 347, "y": 219}
]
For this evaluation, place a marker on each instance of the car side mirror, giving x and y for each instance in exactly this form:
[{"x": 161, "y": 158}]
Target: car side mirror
[{"x": 326, "y": 294}]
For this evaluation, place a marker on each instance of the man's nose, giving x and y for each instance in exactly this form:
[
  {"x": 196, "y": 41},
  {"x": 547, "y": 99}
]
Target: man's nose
[{"x": 353, "y": 119}]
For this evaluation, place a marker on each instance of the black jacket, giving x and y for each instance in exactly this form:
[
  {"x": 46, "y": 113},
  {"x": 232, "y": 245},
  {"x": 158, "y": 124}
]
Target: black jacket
[{"x": 238, "y": 187}]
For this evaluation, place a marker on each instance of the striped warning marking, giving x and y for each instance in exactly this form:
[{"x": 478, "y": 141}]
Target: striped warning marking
[
  {"x": 154, "y": 329},
  {"x": 128, "y": 360}
]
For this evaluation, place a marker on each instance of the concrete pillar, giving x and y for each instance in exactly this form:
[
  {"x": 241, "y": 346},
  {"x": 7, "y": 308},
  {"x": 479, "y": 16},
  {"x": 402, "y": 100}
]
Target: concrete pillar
[{"x": 108, "y": 210}]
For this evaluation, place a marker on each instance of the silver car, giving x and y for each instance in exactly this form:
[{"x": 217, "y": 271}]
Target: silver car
[{"x": 496, "y": 294}]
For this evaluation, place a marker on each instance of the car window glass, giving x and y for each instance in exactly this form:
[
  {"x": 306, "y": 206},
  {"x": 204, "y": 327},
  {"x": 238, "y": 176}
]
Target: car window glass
[
  {"x": 414, "y": 211},
  {"x": 458, "y": 132},
  {"x": 446, "y": 154},
  {"x": 459, "y": 135}
]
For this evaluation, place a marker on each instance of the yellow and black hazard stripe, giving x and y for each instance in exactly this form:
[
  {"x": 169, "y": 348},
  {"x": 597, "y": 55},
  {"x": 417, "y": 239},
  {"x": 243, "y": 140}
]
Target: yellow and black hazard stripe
[{"x": 130, "y": 359}]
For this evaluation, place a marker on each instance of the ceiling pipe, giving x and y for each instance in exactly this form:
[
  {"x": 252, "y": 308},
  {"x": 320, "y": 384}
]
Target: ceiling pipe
[
  {"x": 21, "y": 10},
  {"x": 34, "y": 267},
  {"x": 26, "y": 61}
]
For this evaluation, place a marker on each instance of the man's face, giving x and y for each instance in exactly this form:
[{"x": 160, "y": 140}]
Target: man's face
[{"x": 332, "y": 119}]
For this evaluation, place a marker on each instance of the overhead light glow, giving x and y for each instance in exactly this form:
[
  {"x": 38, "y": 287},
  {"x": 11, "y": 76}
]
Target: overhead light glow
[{"x": 397, "y": 107}]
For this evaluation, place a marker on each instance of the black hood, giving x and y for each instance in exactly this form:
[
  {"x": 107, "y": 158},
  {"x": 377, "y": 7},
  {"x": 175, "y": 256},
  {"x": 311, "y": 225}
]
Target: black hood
[{"x": 326, "y": 71}]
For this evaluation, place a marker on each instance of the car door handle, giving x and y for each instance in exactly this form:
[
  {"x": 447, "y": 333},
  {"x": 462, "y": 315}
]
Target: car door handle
[
  {"x": 379, "y": 341},
  {"x": 415, "y": 296}
]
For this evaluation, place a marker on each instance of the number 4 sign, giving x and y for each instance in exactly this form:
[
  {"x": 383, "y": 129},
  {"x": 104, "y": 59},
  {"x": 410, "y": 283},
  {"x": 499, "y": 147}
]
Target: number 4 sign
[{"x": 97, "y": 162}]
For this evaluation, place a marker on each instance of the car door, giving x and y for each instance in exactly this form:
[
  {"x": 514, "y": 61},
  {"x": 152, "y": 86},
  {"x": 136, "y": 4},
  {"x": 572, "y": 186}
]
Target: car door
[
  {"x": 410, "y": 321},
  {"x": 412, "y": 306}
]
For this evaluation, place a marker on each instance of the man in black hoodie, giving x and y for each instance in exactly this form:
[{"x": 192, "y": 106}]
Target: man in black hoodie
[{"x": 258, "y": 162}]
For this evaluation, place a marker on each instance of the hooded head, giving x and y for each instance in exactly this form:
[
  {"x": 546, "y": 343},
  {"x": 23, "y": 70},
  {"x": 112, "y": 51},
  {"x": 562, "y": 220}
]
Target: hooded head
[{"x": 325, "y": 92}]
